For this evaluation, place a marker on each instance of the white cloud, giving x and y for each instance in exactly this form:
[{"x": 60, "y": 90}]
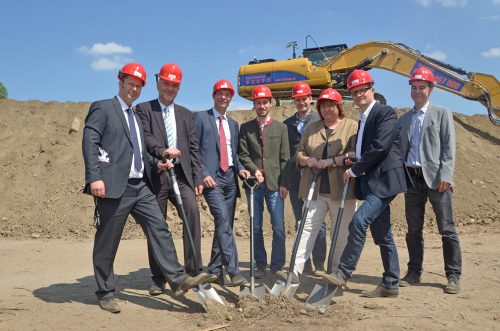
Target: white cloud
[
  {"x": 445, "y": 3},
  {"x": 438, "y": 55},
  {"x": 104, "y": 63},
  {"x": 105, "y": 49},
  {"x": 490, "y": 18},
  {"x": 424, "y": 3},
  {"x": 492, "y": 52},
  {"x": 453, "y": 3}
]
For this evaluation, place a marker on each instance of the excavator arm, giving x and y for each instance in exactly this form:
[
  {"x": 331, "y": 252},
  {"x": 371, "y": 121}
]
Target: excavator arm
[{"x": 399, "y": 58}]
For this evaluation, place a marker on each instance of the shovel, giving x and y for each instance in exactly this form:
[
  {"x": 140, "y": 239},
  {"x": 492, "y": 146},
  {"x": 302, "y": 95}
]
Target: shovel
[
  {"x": 258, "y": 291},
  {"x": 322, "y": 294},
  {"x": 203, "y": 291},
  {"x": 288, "y": 289}
]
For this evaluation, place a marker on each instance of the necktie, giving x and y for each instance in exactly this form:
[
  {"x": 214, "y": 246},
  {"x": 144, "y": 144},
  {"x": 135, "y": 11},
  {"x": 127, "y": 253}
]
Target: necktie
[
  {"x": 168, "y": 127},
  {"x": 224, "y": 162},
  {"x": 135, "y": 140}
]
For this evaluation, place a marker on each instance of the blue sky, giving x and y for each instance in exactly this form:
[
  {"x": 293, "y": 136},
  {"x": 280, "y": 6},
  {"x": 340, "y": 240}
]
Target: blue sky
[{"x": 50, "y": 49}]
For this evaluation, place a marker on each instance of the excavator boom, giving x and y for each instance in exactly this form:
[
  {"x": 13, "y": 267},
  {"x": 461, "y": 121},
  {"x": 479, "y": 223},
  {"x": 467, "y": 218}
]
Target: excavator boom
[{"x": 333, "y": 71}]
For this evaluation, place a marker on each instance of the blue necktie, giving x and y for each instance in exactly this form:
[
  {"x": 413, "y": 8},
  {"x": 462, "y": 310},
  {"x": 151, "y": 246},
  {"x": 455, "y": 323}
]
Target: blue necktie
[{"x": 135, "y": 140}]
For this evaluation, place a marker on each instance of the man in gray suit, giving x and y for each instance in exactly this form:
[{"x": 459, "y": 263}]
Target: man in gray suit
[
  {"x": 428, "y": 141},
  {"x": 118, "y": 175}
]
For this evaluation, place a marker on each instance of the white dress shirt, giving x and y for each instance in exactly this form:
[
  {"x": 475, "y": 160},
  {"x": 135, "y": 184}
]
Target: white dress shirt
[
  {"x": 359, "y": 140},
  {"x": 227, "y": 133},
  {"x": 417, "y": 121},
  {"x": 171, "y": 112},
  {"x": 133, "y": 172}
]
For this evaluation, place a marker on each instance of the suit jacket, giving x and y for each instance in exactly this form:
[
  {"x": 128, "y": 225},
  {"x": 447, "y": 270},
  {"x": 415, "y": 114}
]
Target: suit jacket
[
  {"x": 106, "y": 127},
  {"x": 208, "y": 138},
  {"x": 156, "y": 140},
  {"x": 276, "y": 152},
  {"x": 437, "y": 147},
  {"x": 294, "y": 140},
  {"x": 381, "y": 155}
]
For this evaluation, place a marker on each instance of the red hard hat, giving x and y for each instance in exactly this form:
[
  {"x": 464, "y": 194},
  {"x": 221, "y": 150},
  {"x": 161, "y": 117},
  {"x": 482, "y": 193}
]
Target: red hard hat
[
  {"x": 330, "y": 94},
  {"x": 301, "y": 90},
  {"x": 261, "y": 91},
  {"x": 422, "y": 73},
  {"x": 358, "y": 77},
  {"x": 223, "y": 84},
  {"x": 171, "y": 72},
  {"x": 133, "y": 69}
]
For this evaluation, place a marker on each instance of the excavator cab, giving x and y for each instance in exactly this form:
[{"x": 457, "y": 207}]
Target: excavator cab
[{"x": 318, "y": 54}]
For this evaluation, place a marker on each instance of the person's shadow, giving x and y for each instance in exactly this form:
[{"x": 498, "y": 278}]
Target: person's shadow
[{"x": 130, "y": 287}]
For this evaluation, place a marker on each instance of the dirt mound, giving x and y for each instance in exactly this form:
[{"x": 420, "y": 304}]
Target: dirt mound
[{"x": 41, "y": 170}]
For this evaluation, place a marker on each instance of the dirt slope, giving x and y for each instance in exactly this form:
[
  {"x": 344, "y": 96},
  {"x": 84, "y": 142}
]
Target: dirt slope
[{"x": 41, "y": 173}]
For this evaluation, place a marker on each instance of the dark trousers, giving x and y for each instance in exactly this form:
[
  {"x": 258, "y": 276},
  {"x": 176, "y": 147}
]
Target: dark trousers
[
  {"x": 140, "y": 202},
  {"x": 415, "y": 200},
  {"x": 375, "y": 213},
  {"x": 222, "y": 202},
  {"x": 319, "y": 249},
  {"x": 193, "y": 217}
]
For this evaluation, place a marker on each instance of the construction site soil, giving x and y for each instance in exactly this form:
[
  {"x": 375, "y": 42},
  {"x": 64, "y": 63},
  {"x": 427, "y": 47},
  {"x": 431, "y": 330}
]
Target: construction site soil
[{"x": 44, "y": 211}]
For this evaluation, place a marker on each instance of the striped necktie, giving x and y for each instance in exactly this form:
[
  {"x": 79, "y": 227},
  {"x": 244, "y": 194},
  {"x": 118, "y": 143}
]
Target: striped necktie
[{"x": 167, "y": 119}]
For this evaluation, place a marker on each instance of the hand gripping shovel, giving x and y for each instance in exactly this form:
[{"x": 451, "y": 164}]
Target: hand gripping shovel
[
  {"x": 322, "y": 294},
  {"x": 258, "y": 291},
  {"x": 203, "y": 291},
  {"x": 288, "y": 289}
]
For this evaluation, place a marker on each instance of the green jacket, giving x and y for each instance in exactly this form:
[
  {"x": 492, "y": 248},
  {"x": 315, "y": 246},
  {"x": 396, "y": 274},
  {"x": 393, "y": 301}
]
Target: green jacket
[{"x": 276, "y": 151}]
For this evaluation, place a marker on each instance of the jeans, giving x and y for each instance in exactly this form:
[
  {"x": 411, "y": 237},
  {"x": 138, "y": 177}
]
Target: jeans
[
  {"x": 415, "y": 200},
  {"x": 319, "y": 249},
  {"x": 275, "y": 206},
  {"x": 375, "y": 213}
]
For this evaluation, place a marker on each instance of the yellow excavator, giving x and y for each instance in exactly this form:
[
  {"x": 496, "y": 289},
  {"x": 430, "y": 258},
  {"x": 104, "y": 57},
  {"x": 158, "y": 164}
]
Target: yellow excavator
[{"x": 329, "y": 66}]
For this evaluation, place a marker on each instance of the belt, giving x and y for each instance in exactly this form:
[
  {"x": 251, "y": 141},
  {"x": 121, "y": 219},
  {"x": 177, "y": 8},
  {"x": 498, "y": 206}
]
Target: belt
[
  {"x": 134, "y": 181},
  {"x": 415, "y": 171}
]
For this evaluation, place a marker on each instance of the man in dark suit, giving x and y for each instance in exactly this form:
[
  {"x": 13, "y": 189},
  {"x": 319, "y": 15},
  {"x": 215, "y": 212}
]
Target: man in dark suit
[
  {"x": 218, "y": 139},
  {"x": 118, "y": 174},
  {"x": 428, "y": 140},
  {"x": 169, "y": 132},
  {"x": 380, "y": 176}
]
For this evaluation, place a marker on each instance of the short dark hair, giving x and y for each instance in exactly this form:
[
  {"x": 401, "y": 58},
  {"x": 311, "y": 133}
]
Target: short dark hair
[{"x": 340, "y": 107}]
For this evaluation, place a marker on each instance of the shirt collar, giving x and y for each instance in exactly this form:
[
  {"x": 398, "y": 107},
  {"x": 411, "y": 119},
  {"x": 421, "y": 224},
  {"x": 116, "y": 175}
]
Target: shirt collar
[
  {"x": 164, "y": 108},
  {"x": 122, "y": 103},
  {"x": 217, "y": 114},
  {"x": 364, "y": 115},
  {"x": 423, "y": 109}
]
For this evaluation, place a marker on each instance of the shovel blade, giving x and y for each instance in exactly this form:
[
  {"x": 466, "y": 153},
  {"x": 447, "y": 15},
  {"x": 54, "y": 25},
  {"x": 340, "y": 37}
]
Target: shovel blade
[
  {"x": 278, "y": 288},
  {"x": 290, "y": 290},
  {"x": 210, "y": 293},
  {"x": 259, "y": 291},
  {"x": 321, "y": 296},
  {"x": 200, "y": 297}
]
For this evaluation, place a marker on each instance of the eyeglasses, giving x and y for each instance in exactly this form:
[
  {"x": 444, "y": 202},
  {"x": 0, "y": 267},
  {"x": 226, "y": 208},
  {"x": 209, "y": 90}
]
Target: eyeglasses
[{"x": 360, "y": 91}]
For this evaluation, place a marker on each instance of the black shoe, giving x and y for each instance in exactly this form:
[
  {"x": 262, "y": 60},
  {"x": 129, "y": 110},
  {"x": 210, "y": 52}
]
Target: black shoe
[
  {"x": 156, "y": 289},
  {"x": 238, "y": 280},
  {"x": 110, "y": 305},
  {"x": 334, "y": 279},
  {"x": 381, "y": 292},
  {"x": 411, "y": 278},
  {"x": 453, "y": 286},
  {"x": 260, "y": 271}
]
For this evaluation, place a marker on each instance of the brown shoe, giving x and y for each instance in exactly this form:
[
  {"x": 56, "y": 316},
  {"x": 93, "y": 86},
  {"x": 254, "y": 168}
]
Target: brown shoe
[
  {"x": 260, "y": 271},
  {"x": 319, "y": 271},
  {"x": 238, "y": 280},
  {"x": 280, "y": 275},
  {"x": 334, "y": 279},
  {"x": 190, "y": 282},
  {"x": 381, "y": 292},
  {"x": 110, "y": 305}
]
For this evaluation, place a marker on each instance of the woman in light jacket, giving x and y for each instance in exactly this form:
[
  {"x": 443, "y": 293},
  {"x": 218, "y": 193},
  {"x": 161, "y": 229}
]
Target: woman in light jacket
[{"x": 324, "y": 145}]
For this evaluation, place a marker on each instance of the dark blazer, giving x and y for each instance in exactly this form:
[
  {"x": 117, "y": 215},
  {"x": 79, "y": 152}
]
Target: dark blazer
[
  {"x": 276, "y": 152},
  {"x": 106, "y": 127},
  {"x": 208, "y": 138},
  {"x": 156, "y": 140},
  {"x": 381, "y": 155}
]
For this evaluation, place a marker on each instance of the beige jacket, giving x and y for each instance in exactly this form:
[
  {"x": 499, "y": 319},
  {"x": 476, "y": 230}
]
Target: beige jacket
[{"x": 313, "y": 140}]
